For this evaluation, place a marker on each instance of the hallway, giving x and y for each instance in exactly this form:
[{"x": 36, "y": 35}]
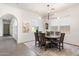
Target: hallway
[{"x": 9, "y": 47}]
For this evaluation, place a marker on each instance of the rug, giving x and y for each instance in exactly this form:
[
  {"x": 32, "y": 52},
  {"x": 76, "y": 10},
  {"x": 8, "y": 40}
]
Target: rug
[{"x": 67, "y": 51}]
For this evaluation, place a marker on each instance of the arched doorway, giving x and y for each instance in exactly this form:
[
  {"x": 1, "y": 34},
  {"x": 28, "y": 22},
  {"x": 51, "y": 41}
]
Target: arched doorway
[{"x": 10, "y": 26}]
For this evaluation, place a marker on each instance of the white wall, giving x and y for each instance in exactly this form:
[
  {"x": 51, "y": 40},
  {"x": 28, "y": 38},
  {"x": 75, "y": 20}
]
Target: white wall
[
  {"x": 1, "y": 27},
  {"x": 70, "y": 17},
  {"x": 21, "y": 15},
  {"x": 11, "y": 27},
  {"x": 14, "y": 28},
  {"x": 33, "y": 20}
]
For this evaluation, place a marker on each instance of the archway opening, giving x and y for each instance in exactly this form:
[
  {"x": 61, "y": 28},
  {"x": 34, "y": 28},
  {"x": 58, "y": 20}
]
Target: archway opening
[{"x": 10, "y": 26}]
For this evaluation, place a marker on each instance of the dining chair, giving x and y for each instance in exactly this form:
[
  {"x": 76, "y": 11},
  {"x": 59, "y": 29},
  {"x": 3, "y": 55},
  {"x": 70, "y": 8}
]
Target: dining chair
[
  {"x": 60, "y": 41},
  {"x": 43, "y": 41},
  {"x": 36, "y": 38}
]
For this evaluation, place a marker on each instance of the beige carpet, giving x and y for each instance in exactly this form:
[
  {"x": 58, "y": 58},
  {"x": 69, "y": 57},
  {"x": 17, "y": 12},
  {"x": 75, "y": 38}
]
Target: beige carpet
[{"x": 68, "y": 50}]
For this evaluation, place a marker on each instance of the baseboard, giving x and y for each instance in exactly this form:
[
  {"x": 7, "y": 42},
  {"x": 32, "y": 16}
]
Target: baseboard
[
  {"x": 71, "y": 44},
  {"x": 28, "y": 41}
]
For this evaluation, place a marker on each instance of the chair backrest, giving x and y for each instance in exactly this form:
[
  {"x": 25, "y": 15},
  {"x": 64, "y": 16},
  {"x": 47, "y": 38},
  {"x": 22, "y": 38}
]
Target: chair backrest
[
  {"x": 48, "y": 33},
  {"x": 36, "y": 36},
  {"x": 51, "y": 32},
  {"x": 57, "y": 33},
  {"x": 62, "y": 37},
  {"x": 42, "y": 37}
]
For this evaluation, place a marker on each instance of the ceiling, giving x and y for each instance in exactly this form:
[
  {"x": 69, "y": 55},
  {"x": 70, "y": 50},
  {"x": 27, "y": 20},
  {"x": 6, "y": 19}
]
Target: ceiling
[{"x": 41, "y": 8}]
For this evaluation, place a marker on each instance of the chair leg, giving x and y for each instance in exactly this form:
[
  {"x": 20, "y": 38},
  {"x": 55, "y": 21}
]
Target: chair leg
[
  {"x": 45, "y": 47},
  {"x": 35, "y": 43},
  {"x": 38, "y": 44},
  {"x": 51, "y": 45},
  {"x": 59, "y": 47},
  {"x": 62, "y": 46}
]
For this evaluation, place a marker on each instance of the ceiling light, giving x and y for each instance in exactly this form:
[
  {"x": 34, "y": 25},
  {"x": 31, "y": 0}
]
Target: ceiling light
[{"x": 51, "y": 13}]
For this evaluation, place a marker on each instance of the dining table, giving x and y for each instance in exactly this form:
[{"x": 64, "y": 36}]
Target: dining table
[{"x": 52, "y": 38}]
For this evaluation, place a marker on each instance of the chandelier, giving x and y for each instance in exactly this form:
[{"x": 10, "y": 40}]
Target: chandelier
[{"x": 51, "y": 13}]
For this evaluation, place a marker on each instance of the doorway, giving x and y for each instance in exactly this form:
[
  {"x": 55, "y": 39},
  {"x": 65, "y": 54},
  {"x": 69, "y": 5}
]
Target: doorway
[
  {"x": 6, "y": 29},
  {"x": 10, "y": 26}
]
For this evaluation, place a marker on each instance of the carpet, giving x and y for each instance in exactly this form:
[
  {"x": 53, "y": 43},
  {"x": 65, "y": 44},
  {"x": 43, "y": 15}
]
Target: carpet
[{"x": 67, "y": 51}]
